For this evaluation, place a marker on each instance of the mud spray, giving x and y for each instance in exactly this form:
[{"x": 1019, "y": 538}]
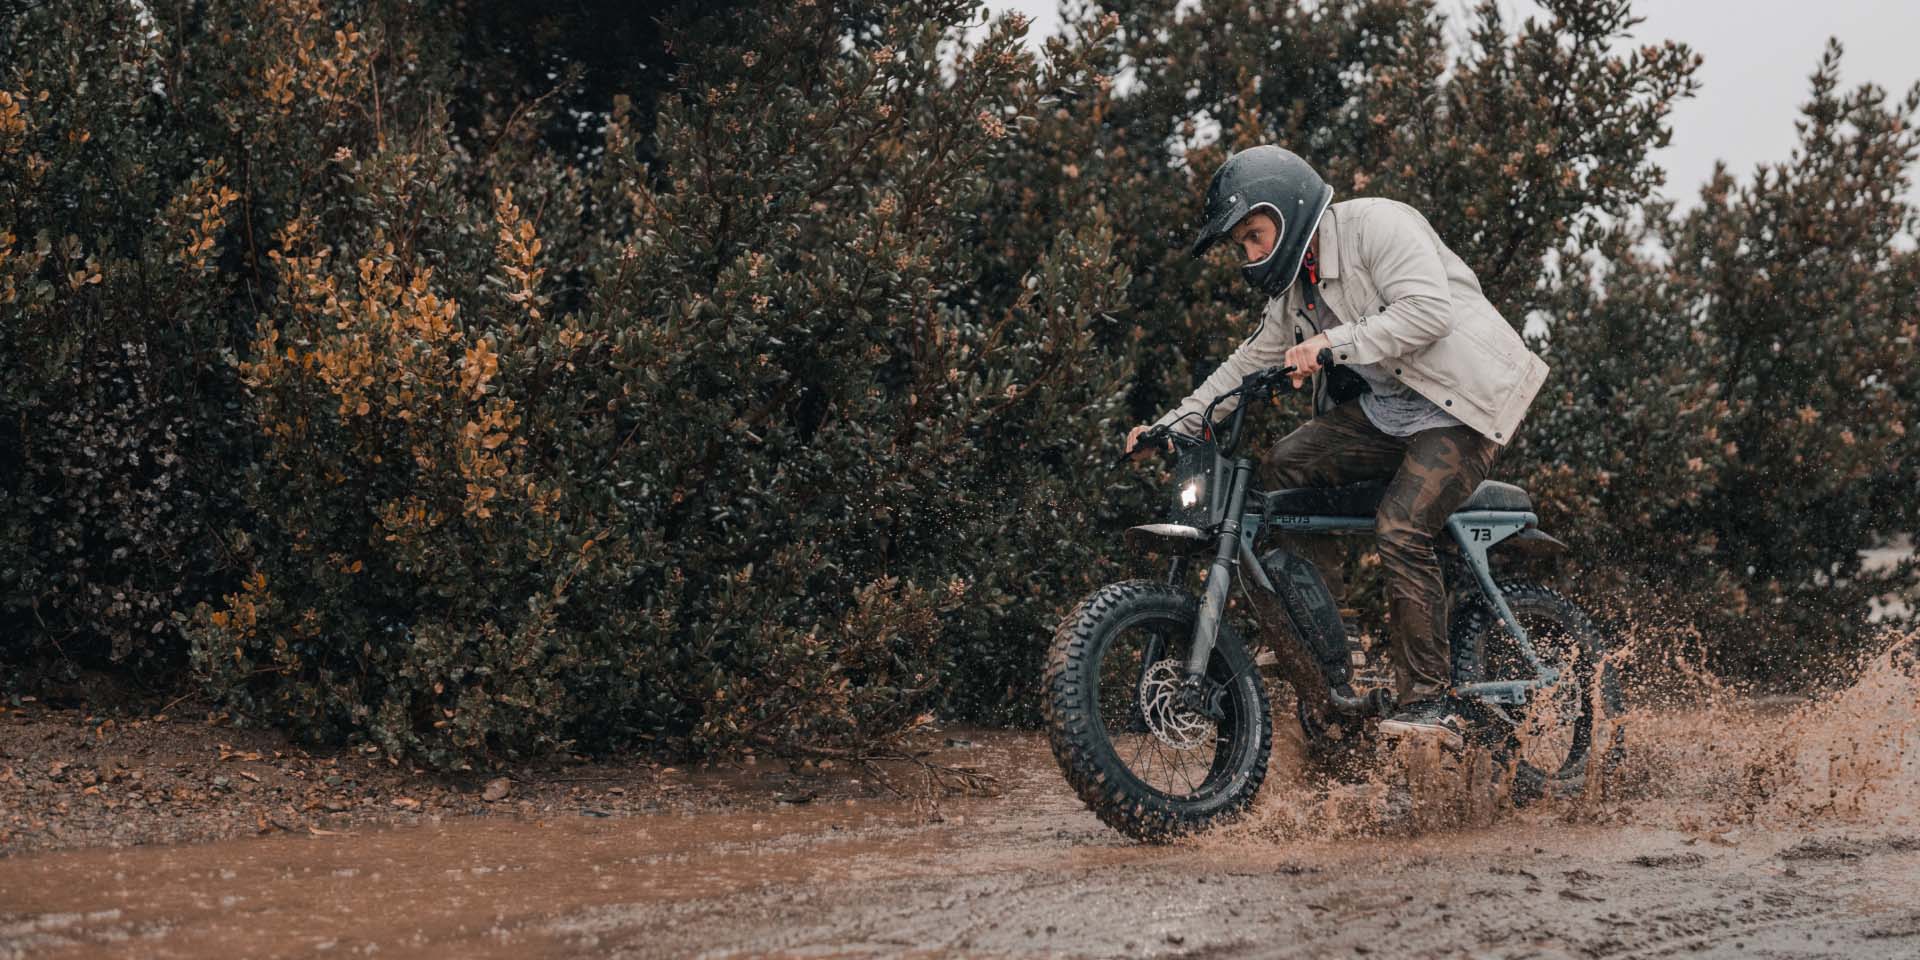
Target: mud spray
[{"x": 1696, "y": 755}]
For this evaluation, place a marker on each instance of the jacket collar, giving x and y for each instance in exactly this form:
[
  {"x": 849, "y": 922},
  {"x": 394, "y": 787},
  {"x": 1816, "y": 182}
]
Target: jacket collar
[{"x": 1330, "y": 245}]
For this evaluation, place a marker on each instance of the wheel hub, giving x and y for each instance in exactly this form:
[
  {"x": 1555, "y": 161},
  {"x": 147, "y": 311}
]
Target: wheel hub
[{"x": 1170, "y": 706}]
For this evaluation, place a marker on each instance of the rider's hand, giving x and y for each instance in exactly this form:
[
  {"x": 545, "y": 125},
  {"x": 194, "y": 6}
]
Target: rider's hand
[
  {"x": 1134, "y": 448},
  {"x": 1304, "y": 357}
]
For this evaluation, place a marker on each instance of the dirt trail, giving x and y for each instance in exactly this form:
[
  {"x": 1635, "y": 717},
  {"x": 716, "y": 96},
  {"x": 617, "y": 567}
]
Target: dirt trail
[
  {"x": 1029, "y": 873},
  {"x": 1735, "y": 831}
]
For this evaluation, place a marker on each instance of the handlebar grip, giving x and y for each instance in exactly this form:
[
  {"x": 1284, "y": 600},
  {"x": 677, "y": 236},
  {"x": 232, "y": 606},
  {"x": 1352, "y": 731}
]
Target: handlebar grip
[{"x": 1156, "y": 437}]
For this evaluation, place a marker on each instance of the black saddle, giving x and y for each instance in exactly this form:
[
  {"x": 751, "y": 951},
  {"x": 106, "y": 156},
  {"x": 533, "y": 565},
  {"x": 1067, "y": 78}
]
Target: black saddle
[{"x": 1363, "y": 499}]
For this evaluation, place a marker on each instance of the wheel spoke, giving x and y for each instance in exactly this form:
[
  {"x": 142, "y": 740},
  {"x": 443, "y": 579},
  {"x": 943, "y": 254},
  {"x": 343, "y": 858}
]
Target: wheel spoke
[{"x": 1164, "y": 754}]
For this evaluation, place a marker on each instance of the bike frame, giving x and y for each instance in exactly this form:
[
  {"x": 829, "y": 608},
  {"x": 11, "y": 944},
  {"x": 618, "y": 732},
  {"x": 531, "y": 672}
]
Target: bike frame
[{"x": 1241, "y": 530}]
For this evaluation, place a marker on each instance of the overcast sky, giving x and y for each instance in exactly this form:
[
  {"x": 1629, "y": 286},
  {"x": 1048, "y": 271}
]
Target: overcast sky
[{"x": 1758, "y": 54}]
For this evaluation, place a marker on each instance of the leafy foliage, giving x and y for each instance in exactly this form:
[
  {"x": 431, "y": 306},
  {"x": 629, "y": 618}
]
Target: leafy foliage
[
  {"x": 442, "y": 377},
  {"x": 1736, "y": 399}
]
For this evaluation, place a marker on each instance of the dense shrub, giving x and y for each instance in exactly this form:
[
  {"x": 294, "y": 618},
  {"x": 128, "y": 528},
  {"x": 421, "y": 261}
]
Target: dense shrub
[
  {"x": 1736, "y": 402},
  {"x": 782, "y": 460},
  {"x": 120, "y": 420},
  {"x": 353, "y": 376}
]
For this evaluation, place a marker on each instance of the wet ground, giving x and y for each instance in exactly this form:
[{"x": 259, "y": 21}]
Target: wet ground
[
  {"x": 1734, "y": 830},
  {"x": 1027, "y": 874}
]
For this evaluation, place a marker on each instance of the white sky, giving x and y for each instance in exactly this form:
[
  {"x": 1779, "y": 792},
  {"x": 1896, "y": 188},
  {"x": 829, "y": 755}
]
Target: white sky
[{"x": 1758, "y": 56}]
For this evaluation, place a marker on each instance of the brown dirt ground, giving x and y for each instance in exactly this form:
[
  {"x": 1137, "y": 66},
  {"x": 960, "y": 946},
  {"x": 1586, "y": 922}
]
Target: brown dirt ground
[
  {"x": 1733, "y": 829},
  {"x": 72, "y": 779}
]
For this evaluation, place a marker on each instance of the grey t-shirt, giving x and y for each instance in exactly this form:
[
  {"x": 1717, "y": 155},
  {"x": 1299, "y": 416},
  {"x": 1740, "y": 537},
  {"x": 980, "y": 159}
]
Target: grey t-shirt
[{"x": 1393, "y": 406}]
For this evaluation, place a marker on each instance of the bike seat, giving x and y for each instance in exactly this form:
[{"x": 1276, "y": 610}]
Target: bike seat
[
  {"x": 1363, "y": 499},
  {"x": 1494, "y": 495}
]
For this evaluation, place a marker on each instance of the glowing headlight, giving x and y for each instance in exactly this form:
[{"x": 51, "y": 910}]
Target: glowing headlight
[{"x": 1190, "y": 494}]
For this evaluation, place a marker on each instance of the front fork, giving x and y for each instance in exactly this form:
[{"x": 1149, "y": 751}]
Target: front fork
[
  {"x": 1220, "y": 576},
  {"x": 1212, "y": 607}
]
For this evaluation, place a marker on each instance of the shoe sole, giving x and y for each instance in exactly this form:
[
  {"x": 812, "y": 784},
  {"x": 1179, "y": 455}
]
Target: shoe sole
[{"x": 1401, "y": 728}]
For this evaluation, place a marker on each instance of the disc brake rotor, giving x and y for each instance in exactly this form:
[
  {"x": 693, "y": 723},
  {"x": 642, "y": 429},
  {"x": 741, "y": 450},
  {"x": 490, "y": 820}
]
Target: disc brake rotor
[{"x": 1175, "y": 724}]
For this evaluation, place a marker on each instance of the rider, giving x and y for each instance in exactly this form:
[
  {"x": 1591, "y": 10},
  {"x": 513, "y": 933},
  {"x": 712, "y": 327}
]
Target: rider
[{"x": 1442, "y": 382}]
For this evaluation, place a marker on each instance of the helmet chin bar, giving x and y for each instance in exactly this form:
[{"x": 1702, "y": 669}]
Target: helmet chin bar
[{"x": 1269, "y": 275}]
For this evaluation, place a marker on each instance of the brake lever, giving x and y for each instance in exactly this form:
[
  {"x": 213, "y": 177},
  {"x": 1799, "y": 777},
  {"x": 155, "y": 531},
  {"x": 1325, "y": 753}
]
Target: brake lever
[{"x": 1274, "y": 379}]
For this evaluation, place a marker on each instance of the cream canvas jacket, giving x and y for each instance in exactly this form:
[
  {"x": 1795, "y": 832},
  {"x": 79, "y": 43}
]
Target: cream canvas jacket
[{"x": 1405, "y": 300}]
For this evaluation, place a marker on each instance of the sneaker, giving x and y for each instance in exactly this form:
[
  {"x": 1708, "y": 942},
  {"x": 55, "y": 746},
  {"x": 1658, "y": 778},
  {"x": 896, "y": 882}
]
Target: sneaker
[{"x": 1426, "y": 718}]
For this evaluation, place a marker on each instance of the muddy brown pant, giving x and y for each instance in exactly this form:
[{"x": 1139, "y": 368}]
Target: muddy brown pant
[{"x": 1433, "y": 472}]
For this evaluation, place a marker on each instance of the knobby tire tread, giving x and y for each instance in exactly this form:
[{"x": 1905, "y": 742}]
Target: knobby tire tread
[{"x": 1089, "y": 767}]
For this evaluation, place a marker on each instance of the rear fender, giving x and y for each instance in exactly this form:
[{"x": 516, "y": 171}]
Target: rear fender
[{"x": 1532, "y": 543}]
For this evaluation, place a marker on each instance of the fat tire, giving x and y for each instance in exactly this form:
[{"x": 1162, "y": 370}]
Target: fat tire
[
  {"x": 1078, "y": 736},
  {"x": 1473, "y": 620}
]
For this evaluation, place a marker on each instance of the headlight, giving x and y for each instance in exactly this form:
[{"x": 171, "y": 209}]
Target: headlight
[{"x": 1200, "y": 479}]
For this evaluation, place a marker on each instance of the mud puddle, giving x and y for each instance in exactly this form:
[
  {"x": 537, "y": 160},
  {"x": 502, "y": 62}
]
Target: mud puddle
[{"x": 1734, "y": 830}]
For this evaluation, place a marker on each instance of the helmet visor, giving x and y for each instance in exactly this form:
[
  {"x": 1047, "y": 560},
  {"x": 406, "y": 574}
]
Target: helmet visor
[{"x": 1219, "y": 224}]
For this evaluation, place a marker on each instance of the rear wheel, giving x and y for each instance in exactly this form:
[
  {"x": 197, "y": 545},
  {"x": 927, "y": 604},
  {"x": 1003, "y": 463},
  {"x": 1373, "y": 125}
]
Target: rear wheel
[
  {"x": 1553, "y": 743},
  {"x": 1134, "y": 747}
]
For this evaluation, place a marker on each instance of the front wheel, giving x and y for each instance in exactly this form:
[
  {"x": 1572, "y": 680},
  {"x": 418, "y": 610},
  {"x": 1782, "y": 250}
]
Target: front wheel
[
  {"x": 1132, "y": 746},
  {"x": 1553, "y": 744}
]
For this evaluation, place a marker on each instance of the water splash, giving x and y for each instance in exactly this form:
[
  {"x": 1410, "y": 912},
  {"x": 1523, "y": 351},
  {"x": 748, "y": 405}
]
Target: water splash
[{"x": 1698, "y": 753}]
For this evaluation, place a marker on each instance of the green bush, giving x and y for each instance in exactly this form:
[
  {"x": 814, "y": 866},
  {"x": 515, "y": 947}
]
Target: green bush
[{"x": 120, "y": 418}]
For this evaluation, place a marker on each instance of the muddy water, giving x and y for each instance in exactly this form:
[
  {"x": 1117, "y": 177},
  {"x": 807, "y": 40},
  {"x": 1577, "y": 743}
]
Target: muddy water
[{"x": 1733, "y": 829}]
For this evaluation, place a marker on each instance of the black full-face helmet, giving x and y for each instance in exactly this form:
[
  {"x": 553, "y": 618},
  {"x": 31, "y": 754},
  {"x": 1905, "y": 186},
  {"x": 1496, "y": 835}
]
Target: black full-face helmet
[{"x": 1278, "y": 181}]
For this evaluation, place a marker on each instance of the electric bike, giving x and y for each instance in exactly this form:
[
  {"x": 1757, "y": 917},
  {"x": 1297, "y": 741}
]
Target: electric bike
[{"x": 1156, "y": 708}]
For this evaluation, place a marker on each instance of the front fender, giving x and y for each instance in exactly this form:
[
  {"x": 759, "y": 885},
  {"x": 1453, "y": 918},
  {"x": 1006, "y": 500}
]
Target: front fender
[{"x": 1169, "y": 539}]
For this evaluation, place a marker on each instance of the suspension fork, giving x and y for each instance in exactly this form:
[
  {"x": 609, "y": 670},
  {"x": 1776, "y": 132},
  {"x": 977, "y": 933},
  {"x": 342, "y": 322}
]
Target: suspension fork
[{"x": 1220, "y": 575}]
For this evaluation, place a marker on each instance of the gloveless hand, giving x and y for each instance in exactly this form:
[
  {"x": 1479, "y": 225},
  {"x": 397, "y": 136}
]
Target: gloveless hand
[
  {"x": 1134, "y": 448},
  {"x": 1304, "y": 357}
]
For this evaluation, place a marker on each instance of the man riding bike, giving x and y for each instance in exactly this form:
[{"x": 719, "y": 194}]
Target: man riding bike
[{"x": 1430, "y": 383}]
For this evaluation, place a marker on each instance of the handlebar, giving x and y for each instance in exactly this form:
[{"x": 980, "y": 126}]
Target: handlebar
[{"x": 1266, "y": 381}]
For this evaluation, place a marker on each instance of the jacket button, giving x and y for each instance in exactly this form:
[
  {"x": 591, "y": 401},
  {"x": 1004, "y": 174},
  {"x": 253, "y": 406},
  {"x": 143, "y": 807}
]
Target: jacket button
[
  {"x": 1496, "y": 434},
  {"x": 1396, "y": 371},
  {"x": 1449, "y": 403},
  {"x": 1343, "y": 356}
]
